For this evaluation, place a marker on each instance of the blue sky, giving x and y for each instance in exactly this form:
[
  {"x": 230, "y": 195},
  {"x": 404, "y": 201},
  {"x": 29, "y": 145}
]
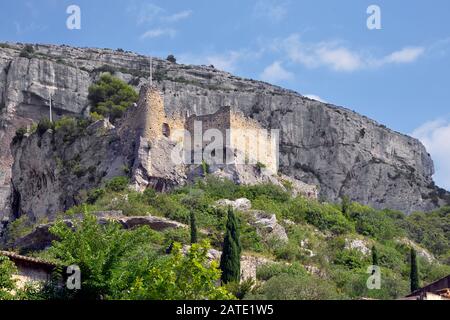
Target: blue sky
[{"x": 398, "y": 75}]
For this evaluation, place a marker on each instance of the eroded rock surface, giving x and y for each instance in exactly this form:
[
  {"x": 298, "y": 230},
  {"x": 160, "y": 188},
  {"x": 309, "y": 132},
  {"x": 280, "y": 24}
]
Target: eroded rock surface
[
  {"x": 341, "y": 151},
  {"x": 268, "y": 227},
  {"x": 241, "y": 204}
]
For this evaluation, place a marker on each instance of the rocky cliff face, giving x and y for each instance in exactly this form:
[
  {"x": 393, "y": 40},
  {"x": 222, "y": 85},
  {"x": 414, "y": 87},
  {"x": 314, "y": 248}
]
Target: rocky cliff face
[
  {"x": 53, "y": 171},
  {"x": 342, "y": 152}
]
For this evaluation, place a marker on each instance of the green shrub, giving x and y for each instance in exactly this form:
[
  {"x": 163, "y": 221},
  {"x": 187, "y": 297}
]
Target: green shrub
[
  {"x": 327, "y": 217},
  {"x": 373, "y": 223},
  {"x": 240, "y": 289},
  {"x": 96, "y": 117},
  {"x": 20, "y": 134},
  {"x": 171, "y": 58},
  {"x": 270, "y": 191},
  {"x": 271, "y": 270},
  {"x": 351, "y": 259},
  {"x": 27, "y": 52},
  {"x": 391, "y": 258},
  {"x": 98, "y": 250},
  {"x": 19, "y": 228},
  {"x": 260, "y": 166},
  {"x": 430, "y": 272},
  {"x": 111, "y": 97},
  {"x": 180, "y": 235},
  {"x": 353, "y": 283},
  {"x": 170, "y": 207},
  {"x": 68, "y": 127},
  {"x": 431, "y": 230},
  {"x": 117, "y": 184},
  {"x": 304, "y": 287},
  {"x": 94, "y": 195},
  {"x": 181, "y": 277},
  {"x": 44, "y": 125},
  {"x": 7, "y": 283},
  {"x": 217, "y": 188},
  {"x": 289, "y": 252},
  {"x": 149, "y": 195}
]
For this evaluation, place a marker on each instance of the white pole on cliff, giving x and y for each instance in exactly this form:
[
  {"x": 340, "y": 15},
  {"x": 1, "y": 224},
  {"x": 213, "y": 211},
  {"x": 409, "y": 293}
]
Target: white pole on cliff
[
  {"x": 151, "y": 72},
  {"x": 50, "y": 105}
]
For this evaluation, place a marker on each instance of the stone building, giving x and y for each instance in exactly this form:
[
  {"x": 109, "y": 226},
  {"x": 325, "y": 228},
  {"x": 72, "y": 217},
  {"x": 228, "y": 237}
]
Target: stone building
[
  {"x": 243, "y": 140},
  {"x": 167, "y": 150},
  {"x": 438, "y": 290},
  {"x": 30, "y": 269}
]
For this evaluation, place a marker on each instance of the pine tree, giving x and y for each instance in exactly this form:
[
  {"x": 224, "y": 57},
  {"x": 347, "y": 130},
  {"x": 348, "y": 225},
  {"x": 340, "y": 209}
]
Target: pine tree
[
  {"x": 414, "y": 276},
  {"x": 374, "y": 256},
  {"x": 230, "y": 261},
  {"x": 194, "y": 238}
]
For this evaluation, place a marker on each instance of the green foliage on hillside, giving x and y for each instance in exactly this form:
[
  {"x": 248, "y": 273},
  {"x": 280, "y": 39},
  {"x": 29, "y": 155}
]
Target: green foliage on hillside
[
  {"x": 111, "y": 97},
  {"x": 7, "y": 283},
  {"x": 319, "y": 234},
  {"x": 179, "y": 277},
  {"x": 123, "y": 264},
  {"x": 288, "y": 286},
  {"x": 27, "y": 52}
]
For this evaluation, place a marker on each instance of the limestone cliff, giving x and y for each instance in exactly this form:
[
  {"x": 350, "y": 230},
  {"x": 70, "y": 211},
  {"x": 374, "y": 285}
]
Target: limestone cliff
[{"x": 342, "y": 152}]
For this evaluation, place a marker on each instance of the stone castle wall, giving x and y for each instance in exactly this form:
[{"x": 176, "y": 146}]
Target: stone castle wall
[
  {"x": 156, "y": 122},
  {"x": 256, "y": 144},
  {"x": 217, "y": 121},
  {"x": 243, "y": 137}
]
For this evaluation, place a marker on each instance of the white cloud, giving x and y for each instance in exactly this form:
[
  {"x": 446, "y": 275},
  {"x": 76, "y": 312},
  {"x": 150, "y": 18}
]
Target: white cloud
[
  {"x": 338, "y": 57},
  {"x": 406, "y": 55},
  {"x": 151, "y": 15},
  {"x": 227, "y": 61},
  {"x": 435, "y": 135},
  {"x": 315, "y": 97},
  {"x": 158, "y": 32},
  {"x": 178, "y": 16},
  {"x": 275, "y": 73},
  {"x": 271, "y": 10},
  {"x": 28, "y": 28},
  {"x": 147, "y": 13}
]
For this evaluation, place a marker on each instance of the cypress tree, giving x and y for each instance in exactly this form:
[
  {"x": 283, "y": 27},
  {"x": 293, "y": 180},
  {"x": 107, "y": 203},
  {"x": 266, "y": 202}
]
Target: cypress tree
[
  {"x": 194, "y": 238},
  {"x": 414, "y": 276},
  {"x": 374, "y": 256},
  {"x": 230, "y": 261},
  {"x": 345, "y": 205}
]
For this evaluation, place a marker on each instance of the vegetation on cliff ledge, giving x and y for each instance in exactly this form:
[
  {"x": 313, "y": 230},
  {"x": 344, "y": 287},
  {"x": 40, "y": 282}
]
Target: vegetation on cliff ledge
[
  {"x": 329, "y": 247},
  {"x": 111, "y": 97}
]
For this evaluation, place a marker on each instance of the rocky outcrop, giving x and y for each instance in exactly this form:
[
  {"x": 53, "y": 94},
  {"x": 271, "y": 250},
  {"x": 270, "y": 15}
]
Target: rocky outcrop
[
  {"x": 268, "y": 227},
  {"x": 250, "y": 265},
  {"x": 340, "y": 151},
  {"x": 41, "y": 237},
  {"x": 155, "y": 223},
  {"x": 421, "y": 252},
  {"x": 242, "y": 204},
  {"x": 252, "y": 175},
  {"x": 360, "y": 245},
  {"x": 54, "y": 171}
]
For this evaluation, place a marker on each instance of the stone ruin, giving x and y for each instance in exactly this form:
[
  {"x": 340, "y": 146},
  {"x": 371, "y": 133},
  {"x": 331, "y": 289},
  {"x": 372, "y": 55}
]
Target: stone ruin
[{"x": 169, "y": 150}]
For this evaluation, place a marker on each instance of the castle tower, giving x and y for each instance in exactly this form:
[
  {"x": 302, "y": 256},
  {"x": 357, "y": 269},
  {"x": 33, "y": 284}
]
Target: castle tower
[{"x": 153, "y": 116}]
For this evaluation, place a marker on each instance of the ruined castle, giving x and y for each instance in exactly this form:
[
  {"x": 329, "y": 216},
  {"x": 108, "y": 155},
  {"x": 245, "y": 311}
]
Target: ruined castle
[
  {"x": 239, "y": 139},
  {"x": 169, "y": 150}
]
